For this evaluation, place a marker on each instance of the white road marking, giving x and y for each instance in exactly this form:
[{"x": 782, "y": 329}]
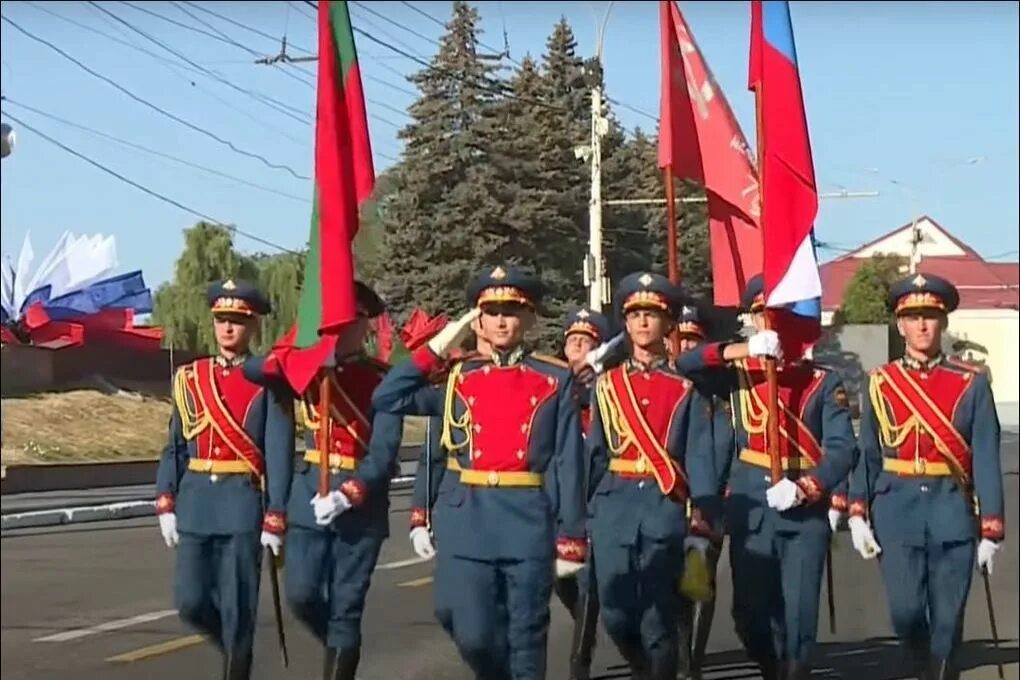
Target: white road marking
[
  {"x": 69, "y": 635},
  {"x": 78, "y": 633},
  {"x": 400, "y": 564}
]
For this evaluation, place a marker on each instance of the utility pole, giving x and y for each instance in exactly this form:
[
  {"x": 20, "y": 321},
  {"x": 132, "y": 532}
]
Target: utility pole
[
  {"x": 916, "y": 237},
  {"x": 594, "y": 262}
]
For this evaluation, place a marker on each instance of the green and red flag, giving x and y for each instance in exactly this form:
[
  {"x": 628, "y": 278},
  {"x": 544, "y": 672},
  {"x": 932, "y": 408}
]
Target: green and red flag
[{"x": 344, "y": 179}]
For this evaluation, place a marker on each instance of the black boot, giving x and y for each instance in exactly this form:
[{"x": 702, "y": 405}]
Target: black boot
[
  {"x": 944, "y": 669},
  {"x": 329, "y": 663},
  {"x": 685, "y": 635},
  {"x": 920, "y": 659},
  {"x": 770, "y": 668},
  {"x": 341, "y": 664},
  {"x": 237, "y": 666},
  {"x": 701, "y": 628},
  {"x": 635, "y": 657},
  {"x": 586, "y": 617},
  {"x": 797, "y": 670}
]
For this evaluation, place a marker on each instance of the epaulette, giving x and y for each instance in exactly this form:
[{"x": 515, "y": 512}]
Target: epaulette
[
  {"x": 549, "y": 359},
  {"x": 963, "y": 365}
]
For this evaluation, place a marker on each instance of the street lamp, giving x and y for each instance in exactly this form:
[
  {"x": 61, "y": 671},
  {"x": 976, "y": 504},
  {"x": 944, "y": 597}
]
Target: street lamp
[{"x": 8, "y": 140}]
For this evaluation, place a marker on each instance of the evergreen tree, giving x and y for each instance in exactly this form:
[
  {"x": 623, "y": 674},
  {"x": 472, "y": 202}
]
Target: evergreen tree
[
  {"x": 447, "y": 219},
  {"x": 636, "y": 175},
  {"x": 561, "y": 124},
  {"x": 279, "y": 277}
]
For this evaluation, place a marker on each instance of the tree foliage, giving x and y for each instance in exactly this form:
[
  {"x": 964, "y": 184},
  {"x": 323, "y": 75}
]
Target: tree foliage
[
  {"x": 490, "y": 173},
  {"x": 180, "y": 306},
  {"x": 865, "y": 300}
]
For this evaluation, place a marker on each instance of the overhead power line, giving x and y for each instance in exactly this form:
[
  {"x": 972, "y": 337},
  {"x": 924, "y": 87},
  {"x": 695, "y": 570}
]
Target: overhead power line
[
  {"x": 180, "y": 7},
  {"x": 141, "y": 187},
  {"x": 175, "y": 67},
  {"x": 426, "y": 15},
  {"x": 275, "y": 104},
  {"x": 154, "y": 107},
  {"x": 132, "y": 145},
  {"x": 399, "y": 25},
  {"x": 245, "y": 27}
]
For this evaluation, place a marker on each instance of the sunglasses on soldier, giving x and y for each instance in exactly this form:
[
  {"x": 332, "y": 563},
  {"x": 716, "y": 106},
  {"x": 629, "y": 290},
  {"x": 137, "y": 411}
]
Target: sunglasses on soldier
[{"x": 503, "y": 309}]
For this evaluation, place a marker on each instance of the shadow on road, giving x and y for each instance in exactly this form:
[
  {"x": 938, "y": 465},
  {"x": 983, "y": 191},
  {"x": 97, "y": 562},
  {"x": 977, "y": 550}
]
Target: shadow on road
[{"x": 874, "y": 659}]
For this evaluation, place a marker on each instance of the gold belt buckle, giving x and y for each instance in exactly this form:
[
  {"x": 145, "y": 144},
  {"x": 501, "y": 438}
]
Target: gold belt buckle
[
  {"x": 920, "y": 466},
  {"x": 493, "y": 479},
  {"x": 640, "y": 466}
]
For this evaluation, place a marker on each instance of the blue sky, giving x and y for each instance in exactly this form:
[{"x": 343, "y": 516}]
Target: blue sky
[{"x": 917, "y": 102}]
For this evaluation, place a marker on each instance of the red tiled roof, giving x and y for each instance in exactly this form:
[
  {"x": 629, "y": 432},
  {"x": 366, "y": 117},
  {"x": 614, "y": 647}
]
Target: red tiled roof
[
  {"x": 1009, "y": 272},
  {"x": 982, "y": 285}
]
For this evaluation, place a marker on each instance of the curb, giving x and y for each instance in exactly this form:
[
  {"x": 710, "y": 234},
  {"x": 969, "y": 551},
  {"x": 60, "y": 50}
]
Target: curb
[
  {"x": 87, "y": 513},
  {"x": 34, "y": 519}
]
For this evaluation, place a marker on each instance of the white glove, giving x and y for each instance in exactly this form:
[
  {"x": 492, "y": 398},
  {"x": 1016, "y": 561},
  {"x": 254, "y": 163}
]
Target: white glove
[
  {"x": 835, "y": 517},
  {"x": 565, "y": 568},
  {"x": 863, "y": 539},
  {"x": 330, "y": 507},
  {"x": 765, "y": 343},
  {"x": 272, "y": 541},
  {"x": 453, "y": 333},
  {"x": 986, "y": 553},
  {"x": 595, "y": 357},
  {"x": 422, "y": 543},
  {"x": 168, "y": 527},
  {"x": 699, "y": 543},
  {"x": 784, "y": 495}
]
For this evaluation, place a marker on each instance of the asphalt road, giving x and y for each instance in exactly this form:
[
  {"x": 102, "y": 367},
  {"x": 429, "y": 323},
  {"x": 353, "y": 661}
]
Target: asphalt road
[{"x": 94, "y": 602}]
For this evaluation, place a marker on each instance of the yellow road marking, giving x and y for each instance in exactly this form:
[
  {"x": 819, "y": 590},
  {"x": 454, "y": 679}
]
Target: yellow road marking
[
  {"x": 158, "y": 649},
  {"x": 416, "y": 582}
]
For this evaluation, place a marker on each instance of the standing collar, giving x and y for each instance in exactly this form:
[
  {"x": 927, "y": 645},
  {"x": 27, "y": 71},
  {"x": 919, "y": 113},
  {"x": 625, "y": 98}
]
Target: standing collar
[
  {"x": 924, "y": 365},
  {"x": 508, "y": 359},
  {"x": 224, "y": 362}
]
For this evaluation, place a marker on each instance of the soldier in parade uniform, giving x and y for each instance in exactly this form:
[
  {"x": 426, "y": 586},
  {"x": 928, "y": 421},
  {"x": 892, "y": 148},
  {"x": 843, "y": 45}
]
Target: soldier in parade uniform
[
  {"x": 651, "y": 455},
  {"x": 584, "y": 331},
  {"x": 927, "y": 487},
  {"x": 224, "y": 479},
  {"x": 429, "y": 476},
  {"x": 503, "y": 532},
  {"x": 333, "y": 542},
  {"x": 695, "y": 620},
  {"x": 779, "y": 529}
]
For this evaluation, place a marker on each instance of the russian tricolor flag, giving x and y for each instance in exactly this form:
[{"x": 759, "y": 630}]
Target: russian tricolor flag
[{"x": 789, "y": 195}]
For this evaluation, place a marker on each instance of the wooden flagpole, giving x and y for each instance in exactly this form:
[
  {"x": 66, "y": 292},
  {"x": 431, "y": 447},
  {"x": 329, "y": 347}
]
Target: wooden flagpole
[{"x": 771, "y": 372}]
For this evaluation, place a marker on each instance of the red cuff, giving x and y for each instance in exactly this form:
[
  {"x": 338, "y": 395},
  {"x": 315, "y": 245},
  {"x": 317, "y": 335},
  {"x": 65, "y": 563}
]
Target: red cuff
[
  {"x": 274, "y": 523},
  {"x": 992, "y": 528},
  {"x": 859, "y": 509},
  {"x": 419, "y": 518},
  {"x": 712, "y": 355},
  {"x": 571, "y": 549},
  {"x": 839, "y": 502},
  {"x": 427, "y": 361},
  {"x": 698, "y": 526},
  {"x": 164, "y": 503},
  {"x": 811, "y": 487},
  {"x": 354, "y": 489}
]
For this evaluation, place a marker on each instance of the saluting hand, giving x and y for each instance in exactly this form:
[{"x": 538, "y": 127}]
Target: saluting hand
[{"x": 453, "y": 334}]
